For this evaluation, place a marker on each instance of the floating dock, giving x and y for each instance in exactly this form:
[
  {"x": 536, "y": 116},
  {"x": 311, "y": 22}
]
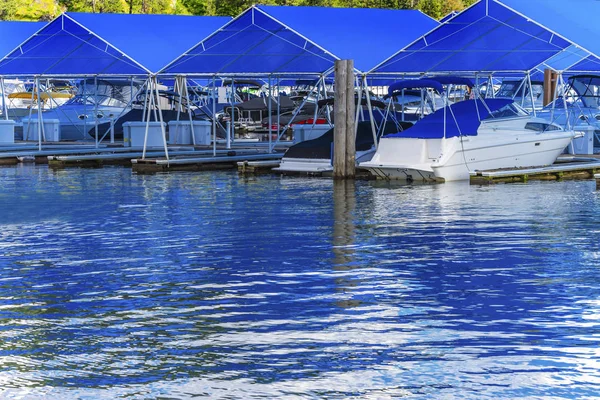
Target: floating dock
[
  {"x": 228, "y": 160},
  {"x": 565, "y": 168}
]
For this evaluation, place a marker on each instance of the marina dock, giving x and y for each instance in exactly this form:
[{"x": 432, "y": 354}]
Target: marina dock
[{"x": 565, "y": 168}]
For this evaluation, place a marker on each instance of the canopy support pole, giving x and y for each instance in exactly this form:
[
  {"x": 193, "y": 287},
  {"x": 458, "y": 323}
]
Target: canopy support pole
[
  {"x": 149, "y": 100},
  {"x": 299, "y": 108},
  {"x": 531, "y": 93},
  {"x": 278, "y": 111},
  {"x": 4, "y": 108},
  {"x": 162, "y": 125},
  {"x": 370, "y": 108},
  {"x": 214, "y": 112},
  {"x": 270, "y": 108},
  {"x": 96, "y": 110},
  {"x": 40, "y": 127},
  {"x": 190, "y": 117}
]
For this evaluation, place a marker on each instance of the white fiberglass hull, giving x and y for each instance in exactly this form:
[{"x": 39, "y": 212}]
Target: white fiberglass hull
[
  {"x": 314, "y": 166},
  {"x": 405, "y": 159},
  {"x": 463, "y": 155}
]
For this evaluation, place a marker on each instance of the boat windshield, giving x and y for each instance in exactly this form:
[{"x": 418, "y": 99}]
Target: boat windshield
[{"x": 511, "y": 110}]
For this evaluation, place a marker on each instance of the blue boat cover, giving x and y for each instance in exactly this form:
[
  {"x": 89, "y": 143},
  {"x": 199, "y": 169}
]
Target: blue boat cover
[
  {"x": 107, "y": 44},
  {"x": 464, "y": 120},
  {"x": 13, "y": 33},
  {"x": 286, "y": 40},
  {"x": 485, "y": 38}
]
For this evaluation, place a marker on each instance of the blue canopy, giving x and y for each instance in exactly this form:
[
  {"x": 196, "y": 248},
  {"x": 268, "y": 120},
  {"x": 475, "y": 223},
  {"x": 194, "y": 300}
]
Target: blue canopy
[
  {"x": 574, "y": 20},
  {"x": 463, "y": 120},
  {"x": 107, "y": 44},
  {"x": 13, "y": 33},
  {"x": 299, "y": 40},
  {"x": 486, "y": 38}
]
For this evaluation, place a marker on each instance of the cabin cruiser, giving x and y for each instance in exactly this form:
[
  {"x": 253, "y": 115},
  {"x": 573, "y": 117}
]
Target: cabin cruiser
[
  {"x": 97, "y": 101},
  {"x": 468, "y": 136},
  {"x": 578, "y": 108},
  {"x": 529, "y": 96}
]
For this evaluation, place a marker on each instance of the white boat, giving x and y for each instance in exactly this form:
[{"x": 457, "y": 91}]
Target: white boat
[
  {"x": 465, "y": 137},
  {"x": 100, "y": 103},
  {"x": 578, "y": 108}
]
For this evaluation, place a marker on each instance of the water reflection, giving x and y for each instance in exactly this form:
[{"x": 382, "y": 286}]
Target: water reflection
[{"x": 181, "y": 285}]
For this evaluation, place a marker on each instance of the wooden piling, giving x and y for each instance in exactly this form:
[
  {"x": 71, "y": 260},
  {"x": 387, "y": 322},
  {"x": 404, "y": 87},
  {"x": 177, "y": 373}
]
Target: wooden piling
[
  {"x": 550, "y": 82},
  {"x": 344, "y": 145},
  {"x": 350, "y": 115},
  {"x": 340, "y": 118}
]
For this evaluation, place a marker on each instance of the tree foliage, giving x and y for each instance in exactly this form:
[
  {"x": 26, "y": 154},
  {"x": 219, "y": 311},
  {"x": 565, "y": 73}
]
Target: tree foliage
[{"x": 47, "y": 9}]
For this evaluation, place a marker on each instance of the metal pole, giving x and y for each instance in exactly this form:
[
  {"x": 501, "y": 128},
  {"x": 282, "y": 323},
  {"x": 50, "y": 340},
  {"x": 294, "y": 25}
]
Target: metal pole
[
  {"x": 4, "y": 107},
  {"x": 96, "y": 110},
  {"x": 148, "y": 100},
  {"x": 370, "y": 108},
  {"x": 270, "y": 111},
  {"x": 531, "y": 93},
  {"x": 39, "y": 106},
  {"x": 214, "y": 111},
  {"x": 162, "y": 125}
]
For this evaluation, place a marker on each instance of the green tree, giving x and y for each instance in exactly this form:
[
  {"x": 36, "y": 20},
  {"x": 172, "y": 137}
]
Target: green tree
[{"x": 433, "y": 8}]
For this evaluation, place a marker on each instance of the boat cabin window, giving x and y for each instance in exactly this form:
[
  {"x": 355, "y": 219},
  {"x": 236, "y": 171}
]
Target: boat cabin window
[
  {"x": 541, "y": 127},
  {"x": 508, "y": 111}
]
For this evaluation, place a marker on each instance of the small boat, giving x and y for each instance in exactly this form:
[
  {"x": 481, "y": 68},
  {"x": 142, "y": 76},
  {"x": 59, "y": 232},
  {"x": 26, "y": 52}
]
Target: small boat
[
  {"x": 92, "y": 104},
  {"x": 468, "y": 136},
  {"x": 579, "y": 109},
  {"x": 313, "y": 156}
]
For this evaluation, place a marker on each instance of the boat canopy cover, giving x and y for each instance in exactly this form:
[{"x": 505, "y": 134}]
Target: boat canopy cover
[
  {"x": 107, "y": 44},
  {"x": 575, "y": 20},
  {"x": 426, "y": 83},
  {"x": 461, "y": 119},
  {"x": 285, "y": 40},
  {"x": 487, "y": 37},
  {"x": 13, "y": 33}
]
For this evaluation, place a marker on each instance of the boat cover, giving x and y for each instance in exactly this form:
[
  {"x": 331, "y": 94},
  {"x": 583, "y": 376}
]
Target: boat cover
[{"x": 464, "y": 119}]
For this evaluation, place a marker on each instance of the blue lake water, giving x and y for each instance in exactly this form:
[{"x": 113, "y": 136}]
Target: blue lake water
[{"x": 184, "y": 285}]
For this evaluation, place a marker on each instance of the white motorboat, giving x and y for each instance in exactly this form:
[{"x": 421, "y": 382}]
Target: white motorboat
[
  {"x": 465, "y": 137},
  {"x": 100, "y": 103},
  {"x": 578, "y": 108}
]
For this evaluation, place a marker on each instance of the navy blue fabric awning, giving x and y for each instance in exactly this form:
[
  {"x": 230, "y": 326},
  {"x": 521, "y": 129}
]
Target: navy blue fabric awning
[
  {"x": 300, "y": 40},
  {"x": 13, "y": 33},
  {"x": 460, "y": 119},
  {"x": 107, "y": 44},
  {"x": 488, "y": 37}
]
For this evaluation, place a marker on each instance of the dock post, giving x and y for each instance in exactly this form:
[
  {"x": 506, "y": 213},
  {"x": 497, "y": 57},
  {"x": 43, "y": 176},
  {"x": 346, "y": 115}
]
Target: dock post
[
  {"x": 597, "y": 178},
  {"x": 350, "y": 131},
  {"x": 344, "y": 153},
  {"x": 550, "y": 83},
  {"x": 339, "y": 125}
]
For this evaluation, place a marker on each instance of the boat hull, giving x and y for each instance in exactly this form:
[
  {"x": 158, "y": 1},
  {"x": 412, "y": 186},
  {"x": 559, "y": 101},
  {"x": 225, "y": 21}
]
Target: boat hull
[{"x": 463, "y": 155}]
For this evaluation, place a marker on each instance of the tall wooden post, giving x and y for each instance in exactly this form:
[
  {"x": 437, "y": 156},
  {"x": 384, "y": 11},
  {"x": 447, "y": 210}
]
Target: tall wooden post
[
  {"x": 344, "y": 140},
  {"x": 350, "y": 118},
  {"x": 550, "y": 82},
  {"x": 340, "y": 118}
]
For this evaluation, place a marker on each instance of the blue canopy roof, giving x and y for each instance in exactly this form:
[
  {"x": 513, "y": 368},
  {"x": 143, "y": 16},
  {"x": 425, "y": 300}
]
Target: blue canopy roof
[
  {"x": 574, "y": 20},
  {"x": 485, "y": 38},
  {"x": 297, "y": 40},
  {"x": 463, "y": 119},
  {"x": 13, "y": 33},
  {"x": 107, "y": 44}
]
